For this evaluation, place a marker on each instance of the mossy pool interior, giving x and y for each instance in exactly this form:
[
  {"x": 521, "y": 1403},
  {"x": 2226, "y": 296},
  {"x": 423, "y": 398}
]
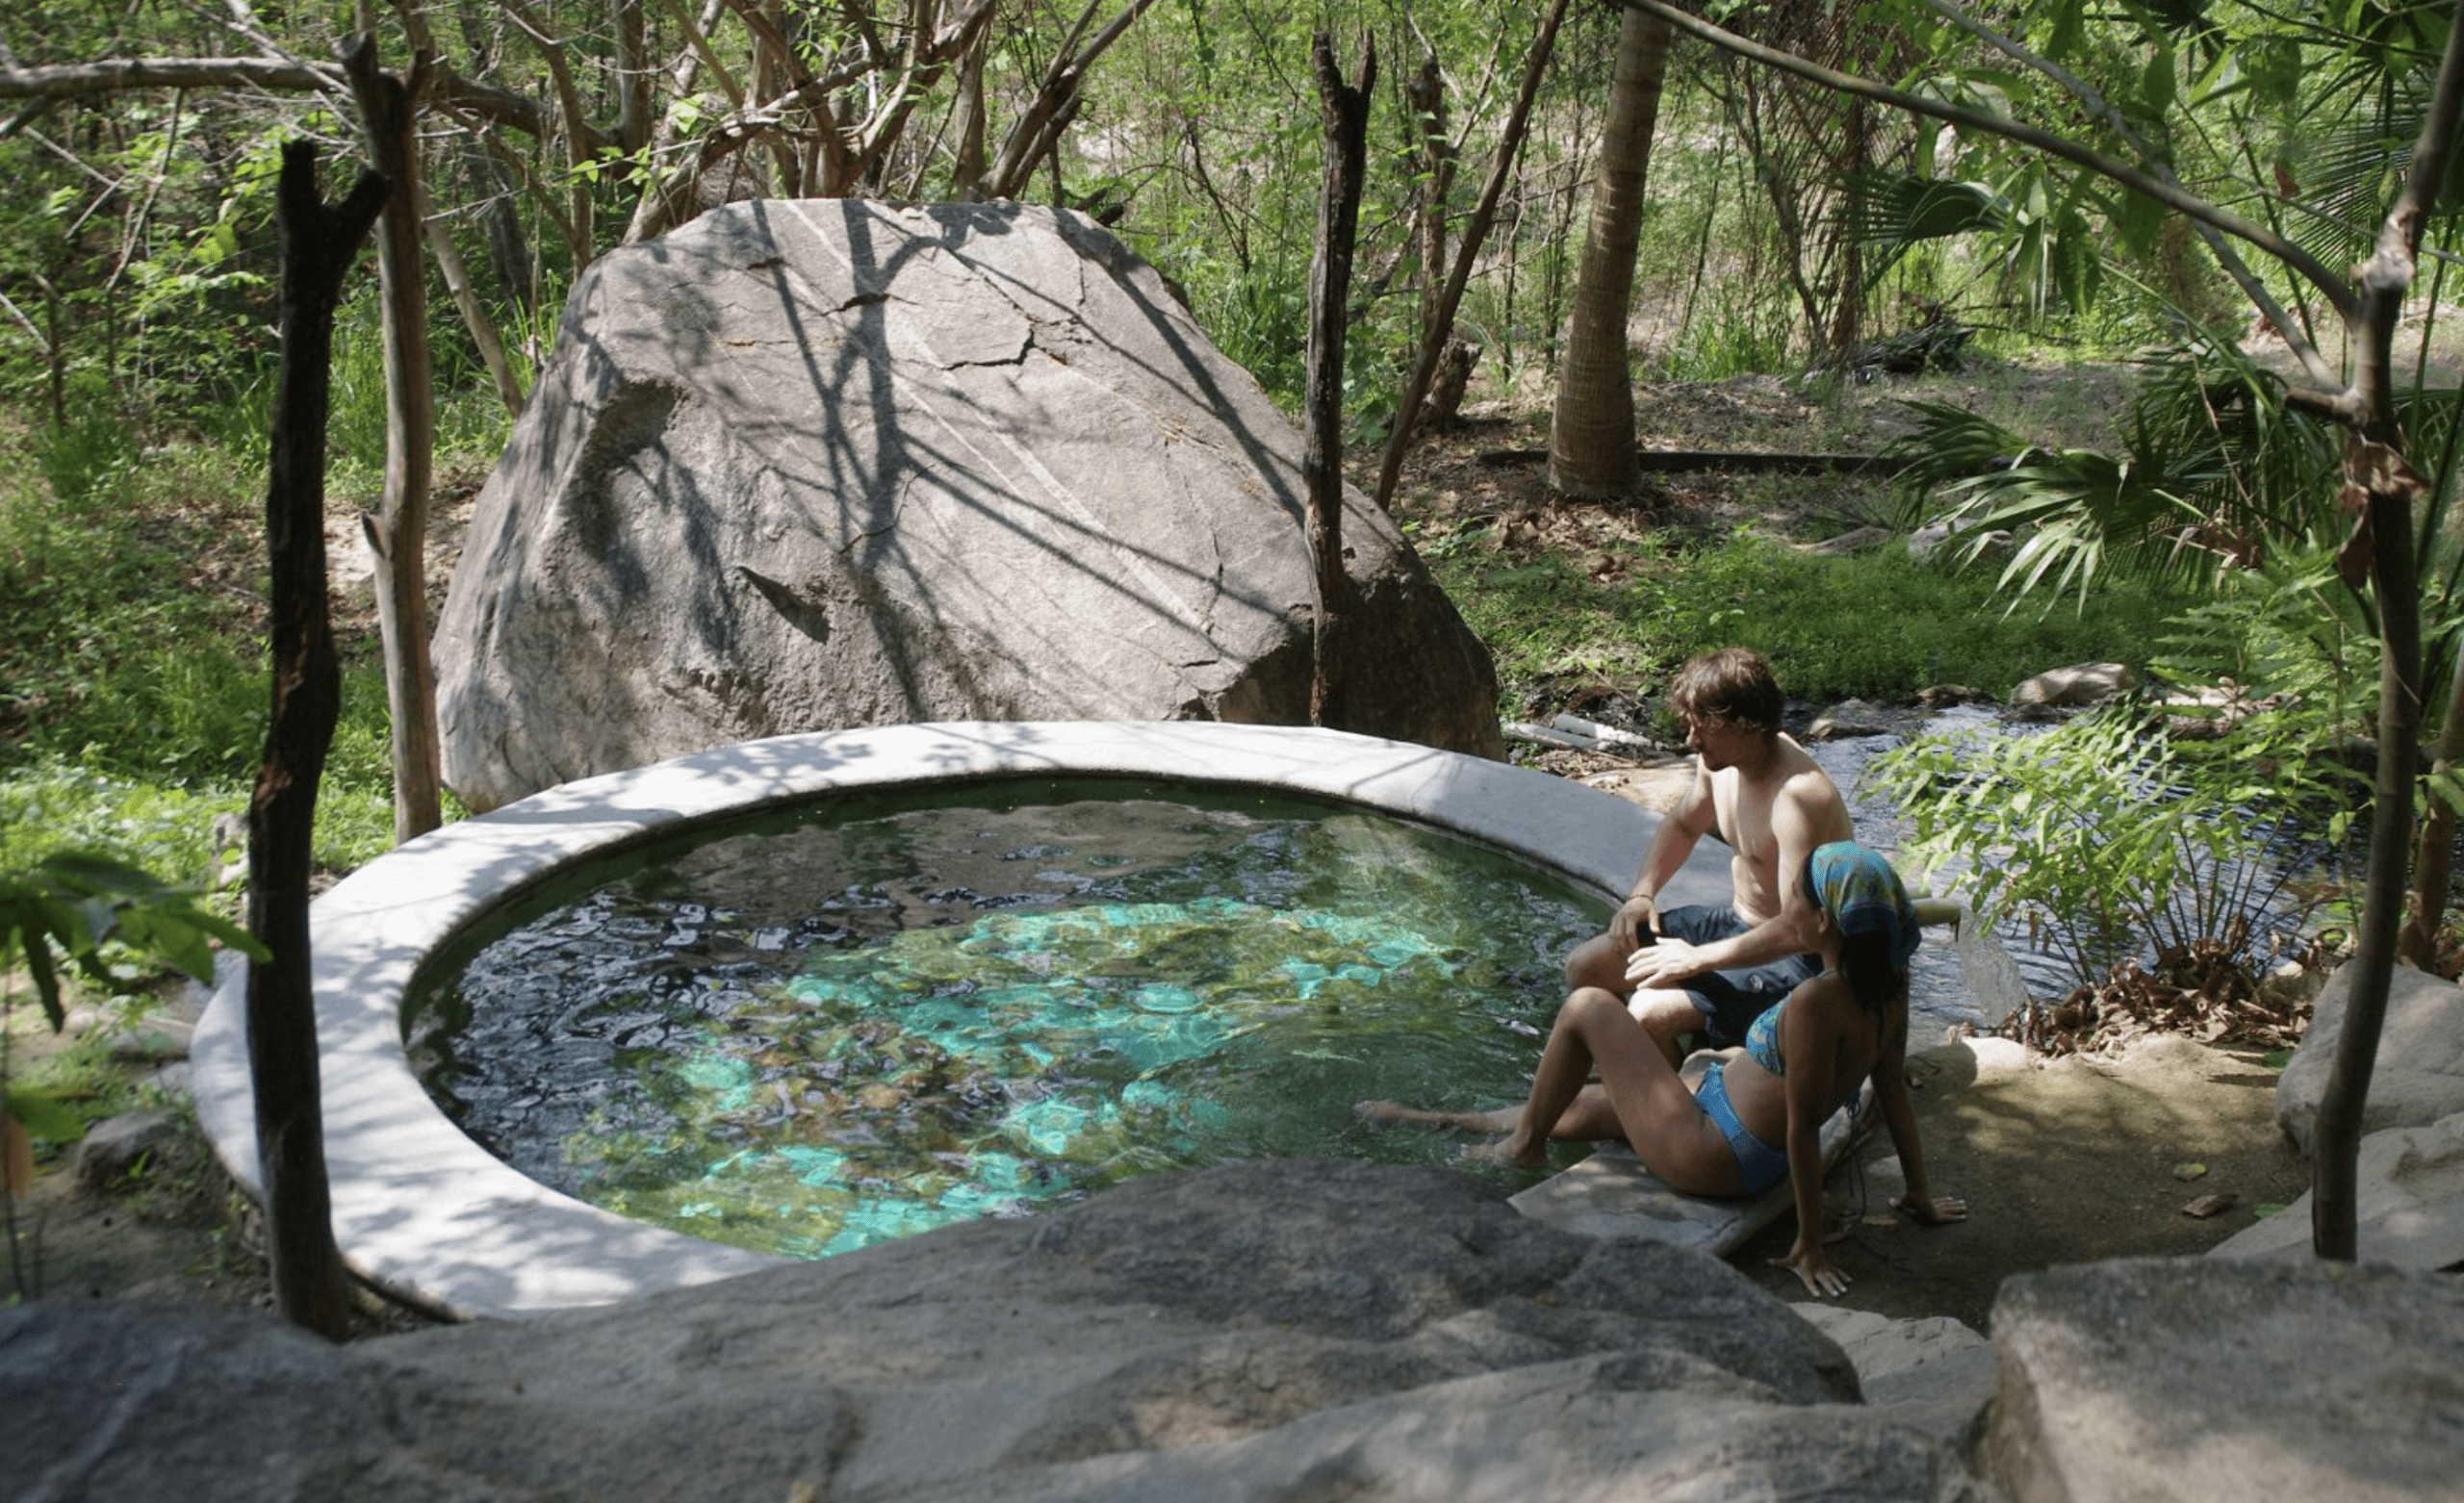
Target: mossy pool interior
[
  {"x": 427, "y": 1213},
  {"x": 827, "y": 1026}
]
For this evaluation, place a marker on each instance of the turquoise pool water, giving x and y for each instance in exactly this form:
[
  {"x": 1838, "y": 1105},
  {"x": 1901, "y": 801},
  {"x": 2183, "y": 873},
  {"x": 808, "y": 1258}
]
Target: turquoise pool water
[{"x": 863, "y": 1020}]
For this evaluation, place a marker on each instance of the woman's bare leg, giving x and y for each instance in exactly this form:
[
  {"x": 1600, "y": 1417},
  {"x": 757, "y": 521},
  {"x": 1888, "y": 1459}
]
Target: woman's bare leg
[
  {"x": 1650, "y": 1101},
  {"x": 1497, "y": 1119},
  {"x": 1667, "y": 1015},
  {"x": 1589, "y": 1120}
]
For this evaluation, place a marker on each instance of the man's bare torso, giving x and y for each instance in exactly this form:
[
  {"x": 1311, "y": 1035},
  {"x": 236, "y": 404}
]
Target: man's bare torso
[{"x": 1744, "y": 810}]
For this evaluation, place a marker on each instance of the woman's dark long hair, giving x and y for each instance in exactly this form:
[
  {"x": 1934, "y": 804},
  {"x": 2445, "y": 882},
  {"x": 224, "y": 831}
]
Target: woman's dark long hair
[{"x": 1878, "y": 987}]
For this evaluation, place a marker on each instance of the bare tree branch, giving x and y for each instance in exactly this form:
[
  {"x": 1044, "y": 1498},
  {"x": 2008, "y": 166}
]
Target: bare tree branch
[
  {"x": 1398, "y": 443},
  {"x": 82, "y": 80},
  {"x": 1055, "y": 101},
  {"x": 2313, "y": 364},
  {"x": 2180, "y": 200},
  {"x": 122, "y": 75},
  {"x": 542, "y": 192}
]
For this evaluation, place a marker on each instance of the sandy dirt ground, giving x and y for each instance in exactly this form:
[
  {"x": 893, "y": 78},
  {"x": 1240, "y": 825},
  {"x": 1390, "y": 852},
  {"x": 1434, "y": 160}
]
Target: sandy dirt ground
[{"x": 2061, "y": 1160}]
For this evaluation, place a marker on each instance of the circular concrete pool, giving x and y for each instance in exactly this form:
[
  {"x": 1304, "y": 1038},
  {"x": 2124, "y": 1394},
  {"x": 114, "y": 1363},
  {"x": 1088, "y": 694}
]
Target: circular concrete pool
[{"x": 427, "y": 1215}]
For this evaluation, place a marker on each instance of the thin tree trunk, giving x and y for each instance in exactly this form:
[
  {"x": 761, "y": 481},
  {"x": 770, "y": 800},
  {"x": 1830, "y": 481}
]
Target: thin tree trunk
[
  {"x": 1433, "y": 339},
  {"x": 1848, "y": 286},
  {"x": 2382, "y": 482},
  {"x": 2433, "y": 864},
  {"x": 466, "y": 301},
  {"x": 389, "y": 106},
  {"x": 1591, "y": 436},
  {"x": 2336, "y": 1131},
  {"x": 509, "y": 253},
  {"x": 966, "y": 168},
  {"x": 54, "y": 354},
  {"x": 633, "y": 77},
  {"x": 320, "y": 241},
  {"x": 1425, "y": 93},
  {"x": 1345, "y": 110}
]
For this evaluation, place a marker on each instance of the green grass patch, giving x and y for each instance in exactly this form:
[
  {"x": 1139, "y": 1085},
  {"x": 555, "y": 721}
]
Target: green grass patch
[
  {"x": 134, "y": 692},
  {"x": 167, "y": 829},
  {"x": 149, "y": 566},
  {"x": 1876, "y": 624}
]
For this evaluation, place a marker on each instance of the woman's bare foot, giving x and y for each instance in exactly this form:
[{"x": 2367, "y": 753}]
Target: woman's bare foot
[
  {"x": 1502, "y": 1120},
  {"x": 1505, "y": 1151}
]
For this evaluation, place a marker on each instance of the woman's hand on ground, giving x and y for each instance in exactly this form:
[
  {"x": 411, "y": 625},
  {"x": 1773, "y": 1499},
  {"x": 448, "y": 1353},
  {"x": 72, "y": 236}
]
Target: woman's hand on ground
[
  {"x": 1821, "y": 1280},
  {"x": 1939, "y": 1211}
]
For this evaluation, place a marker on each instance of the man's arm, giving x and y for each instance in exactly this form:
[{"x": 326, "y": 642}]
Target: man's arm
[
  {"x": 1683, "y": 827},
  {"x": 1807, "y": 813}
]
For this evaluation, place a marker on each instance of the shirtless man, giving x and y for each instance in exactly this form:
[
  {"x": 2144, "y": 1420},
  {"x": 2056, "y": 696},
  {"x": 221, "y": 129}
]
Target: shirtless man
[{"x": 1713, "y": 970}]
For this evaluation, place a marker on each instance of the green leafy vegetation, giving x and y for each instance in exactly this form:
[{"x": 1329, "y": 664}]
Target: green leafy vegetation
[
  {"x": 65, "y": 910},
  {"x": 1879, "y": 623},
  {"x": 134, "y": 709},
  {"x": 1787, "y": 231},
  {"x": 2105, "y": 837},
  {"x": 66, "y": 905}
]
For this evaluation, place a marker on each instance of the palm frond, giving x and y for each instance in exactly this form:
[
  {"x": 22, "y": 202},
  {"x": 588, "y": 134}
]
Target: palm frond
[
  {"x": 2212, "y": 470},
  {"x": 1893, "y": 213}
]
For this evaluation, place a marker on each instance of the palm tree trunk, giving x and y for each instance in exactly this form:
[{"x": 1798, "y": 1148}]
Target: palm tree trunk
[{"x": 1591, "y": 439}]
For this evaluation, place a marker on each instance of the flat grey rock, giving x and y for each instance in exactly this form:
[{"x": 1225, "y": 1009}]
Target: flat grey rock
[
  {"x": 1271, "y": 1331},
  {"x": 1612, "y": 1194},
  {"x": 116, "y": 1145},
  {"x": 2080, "y": 685},
  {"x": 2408, "y": 1212},
  {"x": 2217, "y": 1381},
  {"x": 1934, "y": 1373}
]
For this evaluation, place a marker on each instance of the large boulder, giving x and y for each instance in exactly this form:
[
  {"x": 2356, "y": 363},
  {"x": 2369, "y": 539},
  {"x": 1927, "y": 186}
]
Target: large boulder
[
  {"x": 2408, "y": 1204},
  {"x": 2214, "y": 1381},
  {"x": 817, "y": 465},
  {"x": 1271, "y": 1331},
  {"x": 2418, "y": 1075}
]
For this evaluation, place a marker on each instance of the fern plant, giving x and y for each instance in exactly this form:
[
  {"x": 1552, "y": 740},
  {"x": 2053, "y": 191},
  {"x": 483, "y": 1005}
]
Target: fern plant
[{"x": 2104, "y": 834}]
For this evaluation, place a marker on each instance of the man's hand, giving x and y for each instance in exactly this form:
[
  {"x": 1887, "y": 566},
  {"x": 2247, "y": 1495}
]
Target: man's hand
[
  {"x": 1664, "y": 964},
  {"x": 1631, "y": 920}
]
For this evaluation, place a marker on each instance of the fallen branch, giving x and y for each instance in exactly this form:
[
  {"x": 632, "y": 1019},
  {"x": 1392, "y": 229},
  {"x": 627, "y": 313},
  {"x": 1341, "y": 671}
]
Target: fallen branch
[{"x": 1679, "y": 461}]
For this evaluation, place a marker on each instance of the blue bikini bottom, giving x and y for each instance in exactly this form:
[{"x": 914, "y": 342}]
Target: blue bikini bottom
[{"x": 1758, "y": 1162}]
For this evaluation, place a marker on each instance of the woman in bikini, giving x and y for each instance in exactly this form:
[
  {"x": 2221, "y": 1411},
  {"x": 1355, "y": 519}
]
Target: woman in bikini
[{"x": 1758, "y": 1114}]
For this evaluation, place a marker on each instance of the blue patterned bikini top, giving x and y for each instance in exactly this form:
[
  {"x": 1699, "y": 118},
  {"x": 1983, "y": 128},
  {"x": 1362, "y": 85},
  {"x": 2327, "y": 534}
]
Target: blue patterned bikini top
[{"x": 1762, "y": 1040}]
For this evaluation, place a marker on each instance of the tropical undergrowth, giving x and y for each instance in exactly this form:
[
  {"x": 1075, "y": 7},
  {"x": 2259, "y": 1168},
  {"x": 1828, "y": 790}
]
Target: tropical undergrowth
[
  {"x": 133, "y": 687},
  {"x": 1877, "y": 624},
  {"x": 134, "y": 693},
  {"x": 2170, "y": 856}
]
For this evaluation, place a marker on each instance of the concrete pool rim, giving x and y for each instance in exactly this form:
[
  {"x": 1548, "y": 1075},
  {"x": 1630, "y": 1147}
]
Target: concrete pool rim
[{"x": 426, "y": 1216}]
